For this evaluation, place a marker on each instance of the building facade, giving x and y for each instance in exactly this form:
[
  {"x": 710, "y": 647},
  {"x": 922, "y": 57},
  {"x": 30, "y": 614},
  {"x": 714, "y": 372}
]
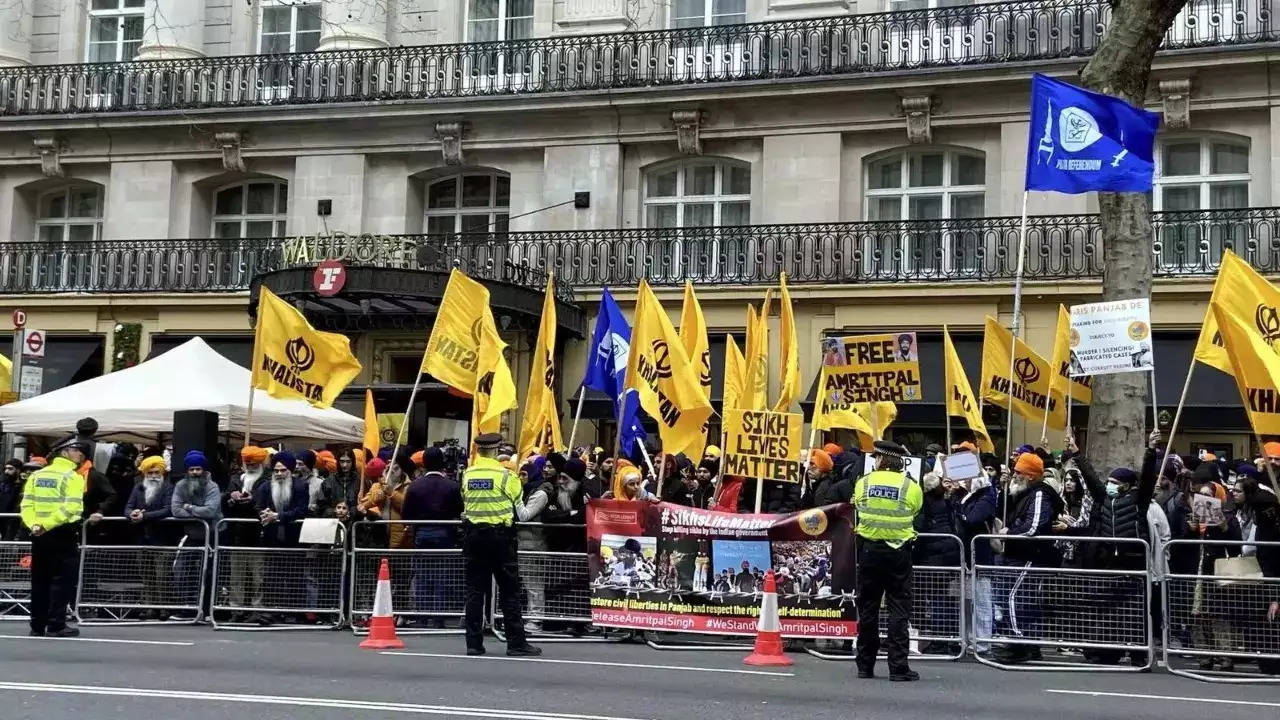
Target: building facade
[{"x": 161, "y": 159}]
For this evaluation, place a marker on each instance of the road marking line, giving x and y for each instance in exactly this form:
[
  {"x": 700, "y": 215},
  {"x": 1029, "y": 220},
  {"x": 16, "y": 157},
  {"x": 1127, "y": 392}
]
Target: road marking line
[
  {"x": 1171, "y": 698},
  {"x": 733, "y": 671},
  {"x": 303, "y": 702},
  {"x": 120, "y": 641}
]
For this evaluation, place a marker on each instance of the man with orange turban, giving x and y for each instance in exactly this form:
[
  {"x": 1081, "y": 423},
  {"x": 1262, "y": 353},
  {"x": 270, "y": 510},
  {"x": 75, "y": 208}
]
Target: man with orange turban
[{"x": 243, "y": 527}]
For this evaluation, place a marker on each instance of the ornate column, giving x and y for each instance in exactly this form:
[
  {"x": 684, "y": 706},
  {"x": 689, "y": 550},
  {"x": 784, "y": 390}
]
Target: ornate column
[
  {"x": 16, "y": 22},
  {"x": 353, "y": 25},
  {"x": 172, "y": 29}
]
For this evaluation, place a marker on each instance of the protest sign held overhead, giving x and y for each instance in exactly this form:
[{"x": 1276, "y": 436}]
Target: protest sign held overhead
[
  {"x": 291, "y": 359},
  {"x": 763, "y": 445},
  {"x": 667, "y": 382},
  {"x": 1029, "y": 386},
  {"x": 871, "y": 368},
  {"x": 1111, "y": 337},
  {"x": 1081, "y": 388}
]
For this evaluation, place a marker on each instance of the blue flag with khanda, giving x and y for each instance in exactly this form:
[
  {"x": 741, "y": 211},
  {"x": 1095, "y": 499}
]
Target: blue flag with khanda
[
  {"x": 607, "y": 368},
  {"x": 1082, "y": 141}
]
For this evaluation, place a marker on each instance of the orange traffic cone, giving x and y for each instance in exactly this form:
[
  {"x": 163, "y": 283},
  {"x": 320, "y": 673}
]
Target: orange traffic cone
[
  {"x": 382, "y": 626},
  {"x": 768, "y": 649}
]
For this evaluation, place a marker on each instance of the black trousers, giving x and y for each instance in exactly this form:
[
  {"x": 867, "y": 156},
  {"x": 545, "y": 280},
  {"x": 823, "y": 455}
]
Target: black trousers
[
  {"x": 883, "y": 572},
  {"x": 489, "y": 555},
  {"x": 55, "y": 565}
]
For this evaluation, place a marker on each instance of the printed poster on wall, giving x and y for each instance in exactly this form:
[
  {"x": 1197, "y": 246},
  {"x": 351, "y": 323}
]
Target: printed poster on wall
[
  {"x": 1111, "y": 337},
  {"x": 659, "y": 566}
]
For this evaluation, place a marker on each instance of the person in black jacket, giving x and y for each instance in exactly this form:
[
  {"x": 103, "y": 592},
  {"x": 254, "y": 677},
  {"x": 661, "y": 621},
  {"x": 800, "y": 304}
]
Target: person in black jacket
[
  {"x": 1119, "y": 511},
  {"x": 244, "y": 529},
  {"x": 434, "y": 497},
  {"x": 694, "y": 487},
  {"x": 937, "y": 546},
  {"x": 10, "y": 494},
  {"x": 281, "y": 504},
  {"x": 1034, "y": 506}
]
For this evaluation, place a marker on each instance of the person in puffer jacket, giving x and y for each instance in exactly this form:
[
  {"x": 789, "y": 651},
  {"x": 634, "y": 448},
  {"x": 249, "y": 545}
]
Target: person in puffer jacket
[{"x": 1119, "y": 511}]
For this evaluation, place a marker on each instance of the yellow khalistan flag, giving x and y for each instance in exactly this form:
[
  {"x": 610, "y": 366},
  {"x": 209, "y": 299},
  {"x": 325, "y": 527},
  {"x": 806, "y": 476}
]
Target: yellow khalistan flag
[
  {"x": 790, "y": 370},
  {"x": 372, "y": 438},
  {"x": 1256, "y": 366},
  {"x": 757, "y": 354},
  {"x": 6, "y": 373},
  {"x": 868, "y": 420},
  {"x": 1030, "y": 383},
  {"x": 1242, "y": 292},
  {"x": 735, "y": 370},
  {"x": 1081, "y": 387},
  {"x": 465, "y": 353},
  {"x": 660, "y": 371},
  {"x": 693, "y": 335},
  {"x": 292, "y": 359},
  {"x": 961, "y": 401},
  {"x": 540, "y": 427}
]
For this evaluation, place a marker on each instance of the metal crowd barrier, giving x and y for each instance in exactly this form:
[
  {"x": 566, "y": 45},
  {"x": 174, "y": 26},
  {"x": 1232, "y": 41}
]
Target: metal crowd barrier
[
  {"x": 1100, "y": 614},
  {"x": 937, "y": 610},
  {"x": 15, "y": 569},
  {"x": 1214, "y": 618},
  {"x": 141, "y": 583},
  {"x": 556, "y": 595},
  {"x": 429, "y": 583},
  {"x": 278, "y": 587}
]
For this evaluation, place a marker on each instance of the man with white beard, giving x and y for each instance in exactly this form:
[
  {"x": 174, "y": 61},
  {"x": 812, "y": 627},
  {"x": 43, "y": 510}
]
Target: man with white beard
[
  {"x": 195, "y": 498},
  {"x": 281, "y": 504},
  {"x": 244, "y": 579},
  {"x": 147, "y": 509}
]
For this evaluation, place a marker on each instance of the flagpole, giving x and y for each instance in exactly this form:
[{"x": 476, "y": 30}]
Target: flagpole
[
  {"x": 257, "y": 340},
  {"x": 1177, "y": 417},
  {"x": 644, "y": 453},
  {"x": 1014, "y": 326},
  {"x": 248, "y": 416},
  {"x": 404, "y": 422},
  {"x": 573, "y": 432}
]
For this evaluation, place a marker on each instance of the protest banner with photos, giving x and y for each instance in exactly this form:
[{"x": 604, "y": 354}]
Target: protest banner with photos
[
  {"x": 872, "y": 368},
  {"x": 660, "y": 566},
  {"x": 763, "y": 445},
  {"x": 1111, "y": 337}
]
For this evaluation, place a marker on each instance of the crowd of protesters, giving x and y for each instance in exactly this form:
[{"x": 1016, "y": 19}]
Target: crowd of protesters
[{"x": 263, "y": 494}]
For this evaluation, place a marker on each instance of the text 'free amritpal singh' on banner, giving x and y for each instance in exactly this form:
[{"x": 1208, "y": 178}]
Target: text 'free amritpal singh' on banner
[
  {"x": 661, "y": 373},
  {"x": 465, "y": 353},
  {"x": 1028, "y": 389},
  {"x": 291, "y": 359}
]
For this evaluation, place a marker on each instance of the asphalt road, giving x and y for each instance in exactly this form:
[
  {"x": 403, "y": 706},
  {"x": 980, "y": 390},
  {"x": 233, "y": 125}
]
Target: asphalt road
[{"x": 200, "y": 674}]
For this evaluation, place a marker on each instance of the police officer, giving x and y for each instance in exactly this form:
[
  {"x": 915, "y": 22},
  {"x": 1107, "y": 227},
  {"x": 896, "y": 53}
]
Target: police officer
[
  {"x": 492, "y": 500},
  {"x": 886, "y": 501},
  {"x": 52, "y": 505}
]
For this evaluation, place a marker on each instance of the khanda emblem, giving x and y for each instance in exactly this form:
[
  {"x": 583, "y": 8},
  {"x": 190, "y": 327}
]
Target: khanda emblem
[
  {"x": 662, "y": 358},
  {"x": 1026, "y": 371},
  {"x": 301, "y": 356},
  {"x": 705, "y": 376},
  {"x": 475, "y": 332},
  {"x": 759, "y": 374},
  {"x": 1268, "y": 322},
  {"x": 549, "y": 377}
]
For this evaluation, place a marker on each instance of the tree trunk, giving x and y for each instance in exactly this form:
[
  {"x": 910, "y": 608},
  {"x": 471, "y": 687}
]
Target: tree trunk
[{"x": 1121, "y": 67}]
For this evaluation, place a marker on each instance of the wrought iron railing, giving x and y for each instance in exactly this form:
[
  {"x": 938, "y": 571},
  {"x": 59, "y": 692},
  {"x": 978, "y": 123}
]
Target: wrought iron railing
[
  {"x": 1059, "y": 247},
  {"x": 975, "y": 34}
]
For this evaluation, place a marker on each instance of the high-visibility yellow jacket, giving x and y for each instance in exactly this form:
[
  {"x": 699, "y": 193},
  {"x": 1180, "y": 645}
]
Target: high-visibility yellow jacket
[
  {"x": 887, "y": 503},
  {"x": 490, "y": 493},
  {"x": 53, "y": 495}
]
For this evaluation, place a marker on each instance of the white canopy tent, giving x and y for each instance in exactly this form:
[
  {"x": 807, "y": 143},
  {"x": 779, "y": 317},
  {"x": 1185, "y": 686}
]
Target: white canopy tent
[{"x": 138, "y": 404}]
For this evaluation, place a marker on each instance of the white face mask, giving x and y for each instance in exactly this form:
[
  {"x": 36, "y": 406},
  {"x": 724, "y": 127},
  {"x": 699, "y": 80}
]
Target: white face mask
[{"x": 1112, "y": 489}]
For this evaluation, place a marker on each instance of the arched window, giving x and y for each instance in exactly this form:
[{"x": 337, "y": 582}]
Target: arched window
[
  {"x": 1193, "y": 174},
  {"x": 476, "y": 201},
  {"x": 932, "y": 185},
  {"x": 251, "y": 209},
  {"x": 71, "y": 213},
  {"x": 698, "y": 193}
]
